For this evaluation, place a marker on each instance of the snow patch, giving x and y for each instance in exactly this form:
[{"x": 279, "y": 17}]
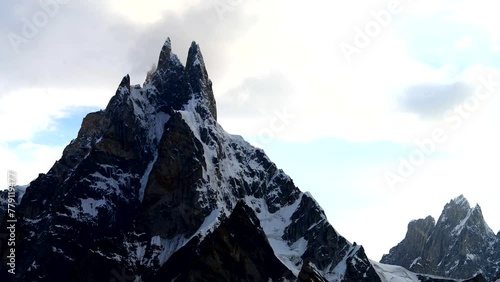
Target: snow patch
[
  {"x": 87, "y": 210},
  {"x": 145, "y": 177},
  {"x": 415, "y": 261},
  {"x": 209, "y": 223},
  {"x": 390, "y": 273},
  {"x": 196, "y": 62},
  {"x": 471, "y": 257},
  {"x": 461, "y": 200},
  {"x": 156, "y": 241},
  {"x": 189, "y": 117},
  {"x": 89, "y": 206},
  {"x": 167, "y": 248},
  {"x": 110, "y": 185},
  {"x": 274, "y": 225}
]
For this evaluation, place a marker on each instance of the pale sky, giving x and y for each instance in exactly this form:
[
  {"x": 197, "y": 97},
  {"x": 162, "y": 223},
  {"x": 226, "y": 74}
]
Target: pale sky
[{"x": 338, "y": 93}]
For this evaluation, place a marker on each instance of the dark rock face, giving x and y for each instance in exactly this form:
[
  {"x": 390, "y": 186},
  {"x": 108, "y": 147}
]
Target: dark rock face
[
  {"x": 414, "y": 242},
  {"x": 198, "y": 78},
  {"x": 170, "y": 183},
  {"x": 459, "y": 245},
  {"x": 153, "y": 179},
  {"x": 237, "y": 250},
  {"x": 477, "y": 278}
]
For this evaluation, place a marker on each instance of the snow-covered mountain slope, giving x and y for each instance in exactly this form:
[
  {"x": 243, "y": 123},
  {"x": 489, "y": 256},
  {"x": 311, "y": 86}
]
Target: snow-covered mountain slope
[
  {"x": 459, "y": 245},
  {"x": 155, "y": 172}
]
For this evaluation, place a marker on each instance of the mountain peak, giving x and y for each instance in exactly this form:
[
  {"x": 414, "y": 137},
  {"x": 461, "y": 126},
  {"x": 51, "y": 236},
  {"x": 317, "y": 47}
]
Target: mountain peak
[
  {"x": 461, "y": 201},
  {"x": 167, "y": 44},
  {"x": 183, "y": 87},
  {"x": 194, "y": 49},
  {"x": 458, "y": 246},
  {"x": 166, "y": 55},
  {"x": 458, "y": 216},
  {"x": 454, "y": 211},
  {"x": 197, "y": 75},
  {"x": 124, "y": 85}
]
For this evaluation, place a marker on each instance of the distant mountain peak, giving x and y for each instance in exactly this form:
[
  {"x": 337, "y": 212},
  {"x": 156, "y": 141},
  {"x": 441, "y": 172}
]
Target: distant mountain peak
[
  {"x": 459, "y": 245},
  {"x": 461, "y": 201},
  {"x": 462, "y": 216}
]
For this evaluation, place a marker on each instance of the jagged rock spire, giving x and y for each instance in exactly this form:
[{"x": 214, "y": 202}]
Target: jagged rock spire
[
  {"x": 125, "y": 81},
  {"x": 165, "y": 54},
  {"x": 179, "y": 84},
  {"x": 198, "y": 77}
]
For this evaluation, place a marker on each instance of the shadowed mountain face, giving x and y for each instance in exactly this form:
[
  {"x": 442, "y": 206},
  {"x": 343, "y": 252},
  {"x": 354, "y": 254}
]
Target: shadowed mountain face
[
  {"x": 237, "y": 250},
  {"x": 459, "y": 245},
  {"x": 153, "y": 188}
]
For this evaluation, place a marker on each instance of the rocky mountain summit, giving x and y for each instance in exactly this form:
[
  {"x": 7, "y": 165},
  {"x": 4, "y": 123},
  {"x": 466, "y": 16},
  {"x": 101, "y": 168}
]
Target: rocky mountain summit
[
  {"x": 154, "y": 189},
  {"x": 459, "y": 245}
]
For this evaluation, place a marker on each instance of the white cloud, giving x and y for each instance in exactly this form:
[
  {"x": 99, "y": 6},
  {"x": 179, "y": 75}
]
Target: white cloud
[
  {"x": 25, "y": 112},
  {"x": 464, "y": 43},
  {"x": 149, "y": 11},
  {"x": 480, "y": 14},
  {"x": 330, "y": 97}
]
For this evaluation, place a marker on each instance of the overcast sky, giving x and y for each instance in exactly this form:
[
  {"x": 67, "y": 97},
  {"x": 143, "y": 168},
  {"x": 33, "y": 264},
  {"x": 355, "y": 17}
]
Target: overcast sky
[{"x": 339, "y": 93}]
